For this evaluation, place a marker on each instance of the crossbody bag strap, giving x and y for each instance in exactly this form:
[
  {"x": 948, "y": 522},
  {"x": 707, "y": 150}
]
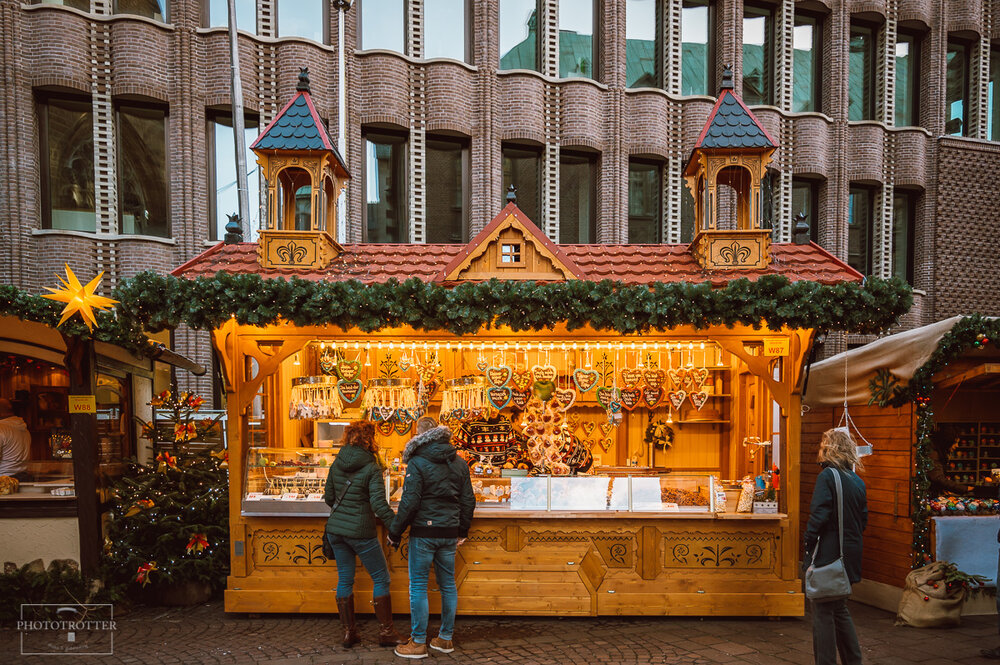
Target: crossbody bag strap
[
  {"x": 336, "y": 504},
  {"x": 840, "y": 509}
]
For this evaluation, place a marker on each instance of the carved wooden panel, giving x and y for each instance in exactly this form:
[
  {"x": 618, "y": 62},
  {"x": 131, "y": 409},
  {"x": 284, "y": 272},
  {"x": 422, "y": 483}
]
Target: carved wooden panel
[
  {"x": 287, "y": 547},
  {"x": 718, "y": 550},
  {"x": 733, "y": 250},
  {"x": 304, "y": 250}
]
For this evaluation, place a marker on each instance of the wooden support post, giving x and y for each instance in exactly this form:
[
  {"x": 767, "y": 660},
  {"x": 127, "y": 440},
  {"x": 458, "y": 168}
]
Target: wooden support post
[{"x": 82, "y": 367}]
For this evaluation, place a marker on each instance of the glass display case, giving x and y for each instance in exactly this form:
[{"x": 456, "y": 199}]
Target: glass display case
[
  {"x": 286, "y": 480},
  {"x": 49, "y": 479}
]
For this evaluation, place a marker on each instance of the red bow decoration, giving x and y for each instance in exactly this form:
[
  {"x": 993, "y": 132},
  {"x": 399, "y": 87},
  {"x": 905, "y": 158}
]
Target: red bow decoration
[
  {"x": 160, "y": 399},
  {"x": 142, "y": 575},
  {"x": 166, "y": 460},
  {"x": 185, "y": 431},
  {"x": 197, "y": 543}
]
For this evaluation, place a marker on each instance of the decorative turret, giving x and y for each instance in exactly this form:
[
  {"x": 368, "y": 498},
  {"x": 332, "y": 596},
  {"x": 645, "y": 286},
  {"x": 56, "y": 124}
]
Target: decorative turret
[
  {"x": 733, "y": 150},
  {"x": 304, "y": 174}
]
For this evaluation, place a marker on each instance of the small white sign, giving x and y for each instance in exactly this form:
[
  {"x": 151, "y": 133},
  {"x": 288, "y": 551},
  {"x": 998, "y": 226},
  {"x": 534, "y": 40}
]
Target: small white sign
[
  {"x": 671, "y": 508},
  {"x": 317, "y": 496},
  {"x": 255, "y": 496},
  {"x": 290, "y": 496}
]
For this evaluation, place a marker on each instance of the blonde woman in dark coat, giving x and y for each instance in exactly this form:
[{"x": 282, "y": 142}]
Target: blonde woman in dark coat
[{"x": 833, "y": 630}]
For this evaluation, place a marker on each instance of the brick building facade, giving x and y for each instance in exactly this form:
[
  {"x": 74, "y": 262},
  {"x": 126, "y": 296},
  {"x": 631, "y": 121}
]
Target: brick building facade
[{"x": 862, "y": 112}]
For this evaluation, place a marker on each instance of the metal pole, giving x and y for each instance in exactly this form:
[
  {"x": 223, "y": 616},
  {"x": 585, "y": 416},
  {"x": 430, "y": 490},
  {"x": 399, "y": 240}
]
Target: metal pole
[
  {"x": 240, "y": 140},
  {"x": 343, "y": 6}
]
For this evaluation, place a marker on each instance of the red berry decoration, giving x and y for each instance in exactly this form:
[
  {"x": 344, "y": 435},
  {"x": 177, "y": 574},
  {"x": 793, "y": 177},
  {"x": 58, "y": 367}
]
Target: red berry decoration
[{"x": 926, "y": 598}]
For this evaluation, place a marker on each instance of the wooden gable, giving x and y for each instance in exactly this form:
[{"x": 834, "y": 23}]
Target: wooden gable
[{"x": 511, "y": 247}]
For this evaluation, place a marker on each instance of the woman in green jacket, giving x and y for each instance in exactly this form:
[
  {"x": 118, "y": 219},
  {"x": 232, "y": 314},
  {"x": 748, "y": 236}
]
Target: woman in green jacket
[{"x": 356, "y": 491}]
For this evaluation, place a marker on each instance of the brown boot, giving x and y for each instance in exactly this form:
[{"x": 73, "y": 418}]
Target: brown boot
[
  {"x": 387, "y": 635},
  {"x": 345, "y": 607}
]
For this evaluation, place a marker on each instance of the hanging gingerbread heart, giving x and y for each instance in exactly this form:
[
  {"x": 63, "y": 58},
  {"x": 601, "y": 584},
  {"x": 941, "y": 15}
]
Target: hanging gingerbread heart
[
  {"x": 699, "y": 376},
  {"x": 606, "y": 396},
  {"x": 385, "y": 427},
  {"x": 654, "y": 378},
  {"x": 629, "y": 397},
  {"x": 688, "y": 381},
  {"x": 585, "y": 379},
  {"x": 328, "y": 363},
  {"x": 606, "y": 428},
  {"x": 387, "y": 412},
  {"x": 401, "y": 427},
  {"x": 544, "y": 389},
  {"x": 522, "y": 380},
  {"x": 588, "y": 427},
  {"x": 499, "y": 376},
  {"x": 677, "y": 398},
  {"x": 481, "y": 364},
  {"x": 499, "y": 397},
  {"x": 698, "y": 399},
  {"x": 405, "y": 416},
  {"x": 348, "y": 370},
  {"x": 430, "y": 387},
  {"x": 652, "y": 396},
  {"x": 404, "y": 363},
  {"x": 543, "y": 373},
  {"x": 350, "y": 391},
  {"x": 572, "y": 421},
  {"x": 566, "y": 398},
  {"x": 631, "y": 377},
  {"x": 605, "y": 443},
  {"x": 520, "y": 398},
  {"x": 676, "y": 377}
]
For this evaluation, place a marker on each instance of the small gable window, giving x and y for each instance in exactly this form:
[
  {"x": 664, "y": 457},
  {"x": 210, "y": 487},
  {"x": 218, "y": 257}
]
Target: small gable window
[{"x": 510, "y": 254}]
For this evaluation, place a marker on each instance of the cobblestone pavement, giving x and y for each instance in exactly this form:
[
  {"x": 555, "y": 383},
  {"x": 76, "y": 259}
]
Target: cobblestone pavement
[{"x": 206, "y": 634}]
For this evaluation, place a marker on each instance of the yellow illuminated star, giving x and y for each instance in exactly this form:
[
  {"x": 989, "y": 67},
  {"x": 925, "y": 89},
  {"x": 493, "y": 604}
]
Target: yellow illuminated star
[{"x": 79, "y": 298}]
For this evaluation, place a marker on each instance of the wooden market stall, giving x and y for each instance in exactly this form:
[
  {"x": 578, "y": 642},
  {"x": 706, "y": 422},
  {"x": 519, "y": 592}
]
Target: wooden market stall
[
  {"x": 950, "y": 404},
  {"x": 607, "y": 466}
]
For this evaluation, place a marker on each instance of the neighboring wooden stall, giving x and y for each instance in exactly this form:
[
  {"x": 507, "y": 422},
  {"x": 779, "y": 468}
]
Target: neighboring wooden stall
[{"x": 634, "y": 441}]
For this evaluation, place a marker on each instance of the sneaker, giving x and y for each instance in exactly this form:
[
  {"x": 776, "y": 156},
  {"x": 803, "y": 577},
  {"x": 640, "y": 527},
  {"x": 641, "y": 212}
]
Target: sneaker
[
  {"x": 444, "y": 646},
  {"x": 411, "y": 650}
]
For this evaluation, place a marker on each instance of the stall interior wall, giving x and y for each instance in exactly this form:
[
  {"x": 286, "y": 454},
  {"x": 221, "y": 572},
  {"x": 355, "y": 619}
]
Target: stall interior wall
[{"x": 888, "y": 538}]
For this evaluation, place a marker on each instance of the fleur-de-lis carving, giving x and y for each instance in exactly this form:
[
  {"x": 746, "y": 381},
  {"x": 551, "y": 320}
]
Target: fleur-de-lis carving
[
  {"x": 291, "y": 253},
  {"x": 735, "y": 254}
]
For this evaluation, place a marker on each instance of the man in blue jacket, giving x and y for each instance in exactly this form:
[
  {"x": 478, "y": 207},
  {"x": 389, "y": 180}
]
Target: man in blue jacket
[{"x": 437, "y": 505}]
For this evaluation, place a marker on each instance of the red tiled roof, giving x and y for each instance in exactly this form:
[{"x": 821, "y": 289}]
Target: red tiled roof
[{"x": 632, "y": 264}]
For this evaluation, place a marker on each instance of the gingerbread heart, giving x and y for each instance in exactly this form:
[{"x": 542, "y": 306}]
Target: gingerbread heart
[
  {"x": 499, "y": 397},
  {"x": 631, "y": 377},
  {"x": 348, "y": 370},
  {"x": 677, "y": 398},
  {"x": 698, "y": 399},
  {"x": 585, "y": 379},
  {"x": 605, "y": 443},
  {"x": 349, "y": 391},
  {"x": 573, "y": 421},
  {"x": 544, "y": 390},
  {"x": 328, "y": 363},
  {"x": 405, "y": 416},
  {"x": 520, "y": 398},
  {"x": 543, "y": 373},
  {"x": 629, "y": 397},
  {"x": 699, "y": 376},
  {"x": 522, "y": 380},
  {"x": 404, "y": 363},
  {"x": 401, "y": 427},
  {"x": 430, "y": 387},
  {"x": 387, "y": 412},
  {"x": 499, "y": 376},
  {"x": 588, "y": 427},
  {"x": 385, "y": 427},
  {"x": 481, "y": 364},
  {"x": 688, "y": 381},
  {"x": 606, "y": 396},
  {"x": 677, "y": 376},
  {"x": 654, "y": 378},
  {"x": 652, "y": 396},
  {"x": 566, "y": 398},
  {"x": 606, "y": 428}
]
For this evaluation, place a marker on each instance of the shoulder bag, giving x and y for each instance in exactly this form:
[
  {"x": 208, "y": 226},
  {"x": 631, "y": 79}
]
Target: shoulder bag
[
  {"x": 830, "y": 582},
  {"x": 327, "y": 547}
]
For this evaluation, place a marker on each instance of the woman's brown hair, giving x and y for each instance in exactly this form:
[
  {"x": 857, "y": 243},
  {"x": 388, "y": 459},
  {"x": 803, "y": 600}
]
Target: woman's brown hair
[
  {"x": 362, "y": 435},
  {"x": 837, "y": 448}
]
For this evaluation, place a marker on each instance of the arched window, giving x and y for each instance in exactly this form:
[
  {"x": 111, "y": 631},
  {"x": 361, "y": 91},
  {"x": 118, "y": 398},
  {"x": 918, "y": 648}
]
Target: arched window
[{"x": 294, "y": 199}]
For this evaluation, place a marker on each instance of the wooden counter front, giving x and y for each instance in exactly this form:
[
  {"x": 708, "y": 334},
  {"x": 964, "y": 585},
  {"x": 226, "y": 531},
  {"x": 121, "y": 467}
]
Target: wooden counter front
[{"x": 551, "y": 564}]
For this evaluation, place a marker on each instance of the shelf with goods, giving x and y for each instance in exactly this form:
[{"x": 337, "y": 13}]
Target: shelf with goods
[{"x": 975, "y": 451}]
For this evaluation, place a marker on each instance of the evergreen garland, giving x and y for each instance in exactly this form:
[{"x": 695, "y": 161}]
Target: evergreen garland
[{"x": 969, "y": 333}]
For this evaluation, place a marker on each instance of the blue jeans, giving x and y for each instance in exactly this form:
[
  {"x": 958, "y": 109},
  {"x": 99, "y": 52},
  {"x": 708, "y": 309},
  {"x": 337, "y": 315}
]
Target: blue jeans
[
  {"x": 424, "y": 552},
  {"x": 368, "y": 550}
]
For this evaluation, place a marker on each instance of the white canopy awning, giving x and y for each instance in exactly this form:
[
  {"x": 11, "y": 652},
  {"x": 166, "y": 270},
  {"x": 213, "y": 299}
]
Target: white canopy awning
[{"x": 902, "y": 354}]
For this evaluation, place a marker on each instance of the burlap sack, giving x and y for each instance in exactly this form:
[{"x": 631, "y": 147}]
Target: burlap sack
[{"x": 927, "y": 601}]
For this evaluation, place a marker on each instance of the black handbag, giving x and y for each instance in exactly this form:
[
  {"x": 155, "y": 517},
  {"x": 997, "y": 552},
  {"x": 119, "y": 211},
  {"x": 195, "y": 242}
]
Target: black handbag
[
  {"x": 327, "y": 547},
  {"x": 830, "y": 582}
]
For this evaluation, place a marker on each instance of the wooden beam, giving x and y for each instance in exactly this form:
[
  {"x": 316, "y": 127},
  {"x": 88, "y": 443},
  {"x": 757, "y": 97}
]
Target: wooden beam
[
  {"x": 81, "y": 364},
  {"x": 984, "y": 370}
]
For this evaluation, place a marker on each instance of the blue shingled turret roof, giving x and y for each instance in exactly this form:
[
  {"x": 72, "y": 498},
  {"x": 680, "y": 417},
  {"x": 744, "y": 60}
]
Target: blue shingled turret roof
[{"x": 731, "y": 124}]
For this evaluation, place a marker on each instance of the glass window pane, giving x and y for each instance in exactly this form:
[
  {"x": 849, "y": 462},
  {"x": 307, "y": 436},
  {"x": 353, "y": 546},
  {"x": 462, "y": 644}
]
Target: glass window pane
[
  {"x": 861, "y": 98},
  {"x": 226, "y": 200},
  {"x": 641, "y": 44},
  {"x": 804, "y": 201},
  {"x": 382, "y": 24},
  {"x": 521, "y": 168},
  {"x": 69, "y": 164},
  {"x": 957, "y": 89},
  {"x": 518, "y": 34},
  {"x": 301, "y": 18},
  {"x": 154, "y": 9},
  {"x": 805, "y": 87},
  {"x": 445, "y": 192},
  {"x": 902, "y": 237},
  {"x": 577, "y": 214},
  {"x": 142, "y": 171},
  {"x": 906, "y": 80},
  {"x": 993, "y": 100},
  {"x": 444, "y": 29},
  {"x": 246, "y": 15},
  {"x": 643, "y": 203},
  {"x": 859, "y": 227},
  {"x": 385, "y": 188},
  {"x": 687, "y": 214},
  {"x": 757, "y": 56},
  {"x": 695, "y": 48},
  {"x": 576, "y": 39}
]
